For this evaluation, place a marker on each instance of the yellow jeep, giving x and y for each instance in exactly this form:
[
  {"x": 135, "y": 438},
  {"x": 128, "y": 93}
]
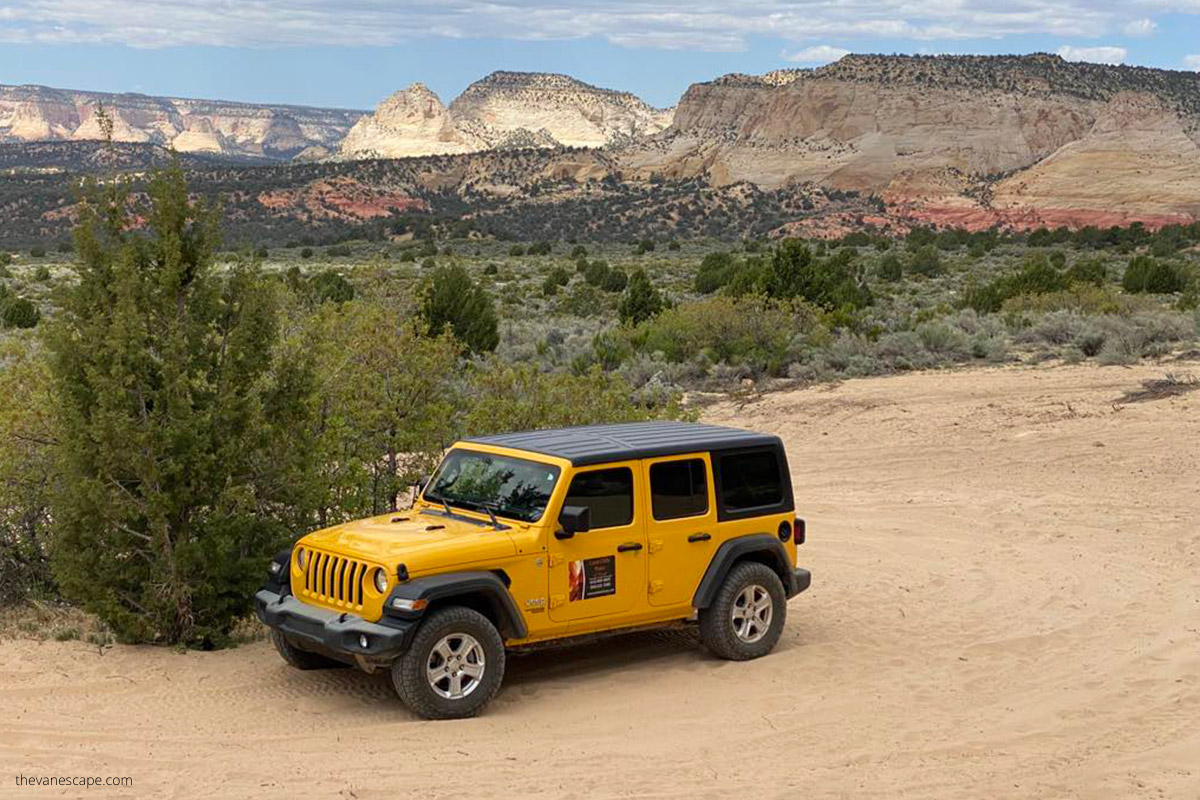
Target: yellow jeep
[{"x": 530, "y": 537}]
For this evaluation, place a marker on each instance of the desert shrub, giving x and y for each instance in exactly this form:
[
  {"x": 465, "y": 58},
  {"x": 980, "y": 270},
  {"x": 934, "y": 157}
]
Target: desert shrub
[
  {"x": 926, "y": 261},
  {"x": 830, "y": 283},
  {"x": 943, "y": 339},
  {"x": 1058, "y": 328},
  {"x": 28, "y": 474},
  {"x": 338, "y": 251},
  {"x": 578, "y": 252},
  {"x": 643, "y": 247},
  {"x": 1088, "y": 271},
  {"x": 509, "y": 397},
  {"x": 492, "y": 268},
  {"x": 19, "y": 312},
  {"x": 539, "y": 249},
  {"x": 37, "y": 251},
  {"x": 516, "y": 250},
  {"x": 641, "y": 300},
  {"x": 330, "y": 287},
  {"x": 890, "y": 268},
  {"x": 594, "y": 272},
  {"x": 1146, "y": 274},
  {"x": 306, "y": 253},
  {"x": 451, "y": 298},
  {"x": 584, "y": 300},
  {"x": 181, "y": 435},
  {"x": 1036, "y": 277},
  {"x": 716, "y": 270},
  {"x": 41, "y": 274},
  {"x": 262, "y": 253},
  {"x": 5, "y": 258},
  {"x": 615, "y": 281},
  {"x": 555, "y": 279},
  {"x": 755, "y": 331}
]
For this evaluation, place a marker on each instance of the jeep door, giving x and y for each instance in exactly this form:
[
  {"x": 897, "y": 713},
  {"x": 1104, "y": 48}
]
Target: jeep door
[
  {"x": 681, "y": 526},
  {"x": 601, "y": 571}
]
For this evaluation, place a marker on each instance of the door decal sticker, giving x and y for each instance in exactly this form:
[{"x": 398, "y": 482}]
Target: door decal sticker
[{"x": 592, "y": 577}]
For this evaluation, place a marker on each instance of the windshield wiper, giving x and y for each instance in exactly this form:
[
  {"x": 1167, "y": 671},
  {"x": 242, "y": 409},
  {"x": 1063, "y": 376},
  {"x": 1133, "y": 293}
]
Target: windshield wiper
[{"x": 491, "y": 515}]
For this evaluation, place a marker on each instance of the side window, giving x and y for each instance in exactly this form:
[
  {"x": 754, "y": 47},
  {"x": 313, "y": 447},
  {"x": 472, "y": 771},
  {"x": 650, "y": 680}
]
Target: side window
[
  {"x": 607, "y": 492},
  {"x": 751, "y": 480},
  {"x": 678, "y": 489}
]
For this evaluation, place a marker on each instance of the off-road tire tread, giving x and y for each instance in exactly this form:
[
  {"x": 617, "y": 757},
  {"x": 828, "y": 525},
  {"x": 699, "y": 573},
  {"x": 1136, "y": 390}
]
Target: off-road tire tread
[
  {"x": 716, "y": 632},
  {"x": 301, "y": 659},
  {"x": 408, "y": 671}
]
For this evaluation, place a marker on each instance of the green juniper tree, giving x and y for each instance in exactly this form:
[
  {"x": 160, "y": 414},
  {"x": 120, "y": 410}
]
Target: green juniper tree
[{"x": 181, "y": 437}]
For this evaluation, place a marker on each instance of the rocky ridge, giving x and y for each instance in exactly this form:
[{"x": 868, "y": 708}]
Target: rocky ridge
[
  {"x": 241, "y": 130},
  {"x": 503, "y": 110}
]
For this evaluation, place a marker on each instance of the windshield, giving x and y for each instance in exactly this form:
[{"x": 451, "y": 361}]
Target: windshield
[{"x": 510, "y": 487}]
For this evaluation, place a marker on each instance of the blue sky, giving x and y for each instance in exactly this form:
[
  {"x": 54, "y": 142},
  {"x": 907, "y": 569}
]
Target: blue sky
[{"x": 352, "y": 53}]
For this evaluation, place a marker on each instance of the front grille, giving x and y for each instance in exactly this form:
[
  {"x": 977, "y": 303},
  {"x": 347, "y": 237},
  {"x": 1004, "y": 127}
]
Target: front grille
[{"x": 334, "y": 580}]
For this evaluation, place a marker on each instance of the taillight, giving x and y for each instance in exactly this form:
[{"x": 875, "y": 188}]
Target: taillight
[{"x": 799, "y": 531}]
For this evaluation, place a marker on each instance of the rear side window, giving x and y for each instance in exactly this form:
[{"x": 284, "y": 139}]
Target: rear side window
[
  {"x": 751, "y": 480},
  {"x": 607, "y": 492},
  {"x": 678, "y": 489}
]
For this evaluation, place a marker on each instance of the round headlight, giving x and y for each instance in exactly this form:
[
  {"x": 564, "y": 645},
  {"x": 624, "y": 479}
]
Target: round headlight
[
  {"x": 380, "y": 581},
  {"x": 302, "y": 558}
]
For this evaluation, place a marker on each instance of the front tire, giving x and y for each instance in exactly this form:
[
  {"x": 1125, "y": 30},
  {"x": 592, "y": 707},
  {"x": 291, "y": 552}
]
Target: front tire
[
  {"x": 746, "y": 619},
  {"x": 454, "y": 667},
  {"x": 301, "y": 659}
]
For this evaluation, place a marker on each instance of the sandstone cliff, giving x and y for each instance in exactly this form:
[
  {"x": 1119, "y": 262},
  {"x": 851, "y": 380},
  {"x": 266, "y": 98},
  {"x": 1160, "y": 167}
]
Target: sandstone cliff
[
  {"x": 503, "y": 110},
  {"x": 976, "y": 140},
  {"x": 38, "y": 113}
]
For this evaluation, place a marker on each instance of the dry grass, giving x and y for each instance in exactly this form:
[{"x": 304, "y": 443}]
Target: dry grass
[
  {"x": 1170, "y": 385},
  {"x": 44, "y": 621}
]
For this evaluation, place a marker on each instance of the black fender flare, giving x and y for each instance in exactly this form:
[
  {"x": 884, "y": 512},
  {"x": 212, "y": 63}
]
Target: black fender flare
[
  {"x": 479, "y": 588},
  {"x": 761, "y": 547}
]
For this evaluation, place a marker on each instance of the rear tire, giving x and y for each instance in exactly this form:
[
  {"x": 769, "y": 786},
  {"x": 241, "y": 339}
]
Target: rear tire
[
  {"x": 301, "y": 659},
  {"x": 454, "y": 667},
  {"x": 746, "y": 618}
]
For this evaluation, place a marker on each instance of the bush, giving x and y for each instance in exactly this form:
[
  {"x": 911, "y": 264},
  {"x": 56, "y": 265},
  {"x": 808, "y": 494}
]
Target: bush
[
  {"x": 513, "y": 397},
  {"x": 262, "y": 253},
  {"x": 330, "y": 287},
  {"x": 835, "y": 282},
  {"x": 1089, "y": 271},
  {"x": 5, "y": 258},
  {"x": 926, "y": 261},
  {"x": 715, "y": 271},
  {"x": 578, "y": 252},
  {"x": 539, "y": 249},
  {"x": 615, "y": 281},
  {"x": 306, "y": 253},
  {"x": 1036, "y": 277},
  {"x": 516, "y": 250},
  {"x": 891, "y": 268},
  {"x": 181, "y": 437},
  {"x": 338, "y": 251},
  {"x": 754, "y": 331},
  {"x": 37, "y": 251},
  {"x": 1151, "y": 275},
  {"x": 41, "y": 274},
  {"x": 451, "y": 298},
  {"x": 641, "y": 300},
  {"x": 28, "y": 475},
  {"x": 18, "y": 312}
]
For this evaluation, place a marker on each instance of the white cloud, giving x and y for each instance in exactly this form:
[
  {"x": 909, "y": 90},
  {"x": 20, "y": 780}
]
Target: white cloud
[
  {"x": 714, "y": 25},
  {"x": 1105, "y": 54},
  {"x": 1140, "y": 27},
  {"x": 1192, "y": 62},
  {"x": 817, "y": 54}
]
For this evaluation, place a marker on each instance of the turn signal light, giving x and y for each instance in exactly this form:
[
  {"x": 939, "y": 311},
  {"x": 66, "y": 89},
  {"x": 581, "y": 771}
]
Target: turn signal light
[{"x": 800, "y": 531}]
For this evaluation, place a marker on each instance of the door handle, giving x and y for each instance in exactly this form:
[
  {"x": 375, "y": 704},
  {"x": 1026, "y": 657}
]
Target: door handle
[
  {"x": 699, "y": 537},
  {"x": 629, "y": 547}
]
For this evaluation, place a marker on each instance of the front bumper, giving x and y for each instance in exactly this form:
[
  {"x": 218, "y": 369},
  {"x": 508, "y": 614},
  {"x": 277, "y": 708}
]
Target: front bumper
[
  {"x": 800, "y": 581},
  {"x": 331, "y": 633}
]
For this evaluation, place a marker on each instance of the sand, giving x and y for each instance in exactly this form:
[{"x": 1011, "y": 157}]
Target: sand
[{"x": 1006, "y": 603}]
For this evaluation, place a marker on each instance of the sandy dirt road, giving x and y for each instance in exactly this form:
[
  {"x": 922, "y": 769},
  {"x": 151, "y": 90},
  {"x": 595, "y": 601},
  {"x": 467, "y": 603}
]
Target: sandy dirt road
[{"x": 1006, "y": 603}]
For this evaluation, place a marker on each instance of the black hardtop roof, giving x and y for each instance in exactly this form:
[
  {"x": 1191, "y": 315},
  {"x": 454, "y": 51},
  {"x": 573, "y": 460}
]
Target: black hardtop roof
[{"x": 596, "y": 444}]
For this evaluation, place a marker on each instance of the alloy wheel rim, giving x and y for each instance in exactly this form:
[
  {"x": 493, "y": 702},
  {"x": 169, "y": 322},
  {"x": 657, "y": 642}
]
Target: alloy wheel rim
[
  {"x": 751, "y": 613},
  {"x": 456, "y": 665}
]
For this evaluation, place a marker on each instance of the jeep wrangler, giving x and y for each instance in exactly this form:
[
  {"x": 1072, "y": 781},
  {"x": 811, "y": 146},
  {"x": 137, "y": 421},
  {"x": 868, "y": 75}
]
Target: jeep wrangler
[{"x": 525, "y": 538}]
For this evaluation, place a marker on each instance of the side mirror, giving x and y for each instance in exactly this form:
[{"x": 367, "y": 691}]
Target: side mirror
[
  {"x": 574, "y": 519},
  {"x": 421, "y": 483}
]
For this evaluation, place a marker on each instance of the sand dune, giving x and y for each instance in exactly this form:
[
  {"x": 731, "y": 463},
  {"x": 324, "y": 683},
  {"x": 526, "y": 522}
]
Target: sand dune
[{"x": 1006, "y": 603}]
